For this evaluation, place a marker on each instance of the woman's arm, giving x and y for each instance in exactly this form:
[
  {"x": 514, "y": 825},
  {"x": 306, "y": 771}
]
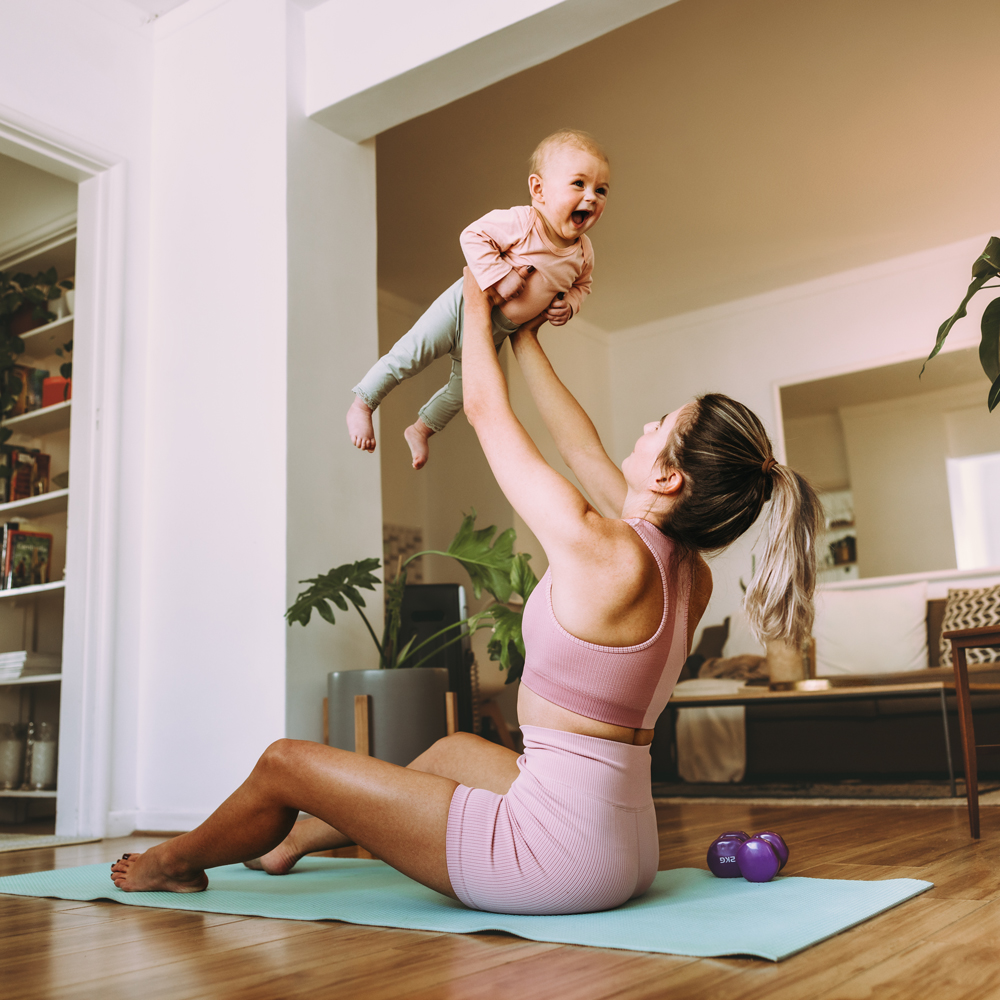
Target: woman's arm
[
  {"x": 574, "y": 433},
  {"x": 551, "y": 506}
]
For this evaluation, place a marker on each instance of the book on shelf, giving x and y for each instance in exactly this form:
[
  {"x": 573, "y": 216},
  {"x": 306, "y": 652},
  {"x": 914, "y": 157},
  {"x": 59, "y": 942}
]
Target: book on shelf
[
  {"x": 30, "y": 474},
  {"x": 29, "y": 398},
  {"x": 27, "y": 558},
  {"x": 23, "y": 663}
]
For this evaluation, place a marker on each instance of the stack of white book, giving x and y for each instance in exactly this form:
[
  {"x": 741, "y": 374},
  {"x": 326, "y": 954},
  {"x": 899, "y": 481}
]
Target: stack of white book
[{"x": 24, "y": 664}]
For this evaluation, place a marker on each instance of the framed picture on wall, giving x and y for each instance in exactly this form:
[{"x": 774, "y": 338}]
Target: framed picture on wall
[{"x": 28, "y": 558}]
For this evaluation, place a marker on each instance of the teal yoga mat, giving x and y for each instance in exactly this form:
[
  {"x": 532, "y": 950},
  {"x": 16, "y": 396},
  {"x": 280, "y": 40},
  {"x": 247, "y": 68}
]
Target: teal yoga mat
[{"x": 686, "y": 912}]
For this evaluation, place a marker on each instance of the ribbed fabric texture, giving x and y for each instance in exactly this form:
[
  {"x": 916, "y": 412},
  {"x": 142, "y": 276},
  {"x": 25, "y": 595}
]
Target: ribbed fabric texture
[
  {"x": 575, "y": 833},
  {"x": 620, "y": 685}
]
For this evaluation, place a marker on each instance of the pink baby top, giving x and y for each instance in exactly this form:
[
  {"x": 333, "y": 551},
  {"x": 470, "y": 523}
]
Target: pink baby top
[
  {"x": 621, "y": 685},
  {"x": 516, "y": 236}
]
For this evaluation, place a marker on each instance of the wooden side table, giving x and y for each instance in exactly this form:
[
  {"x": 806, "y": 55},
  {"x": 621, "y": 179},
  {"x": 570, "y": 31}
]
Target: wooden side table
[{"x": 961, "y": 640}]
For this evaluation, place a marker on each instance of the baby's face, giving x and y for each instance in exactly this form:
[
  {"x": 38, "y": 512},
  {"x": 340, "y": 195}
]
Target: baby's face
[{"x": 571, "y": 194}]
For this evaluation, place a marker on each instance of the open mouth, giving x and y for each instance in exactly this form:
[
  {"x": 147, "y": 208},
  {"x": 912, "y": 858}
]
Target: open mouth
[{"x": 580, "y": 217}]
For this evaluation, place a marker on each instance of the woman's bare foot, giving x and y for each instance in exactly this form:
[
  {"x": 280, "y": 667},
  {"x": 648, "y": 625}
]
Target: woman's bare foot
[
  {"x": 280, "y": 861},
  {"x": 360, "y": 426},
  {"x": 152, "y": 871},
  {"x": 306, "y": 837},
  {"x": 416, "y": 437}
]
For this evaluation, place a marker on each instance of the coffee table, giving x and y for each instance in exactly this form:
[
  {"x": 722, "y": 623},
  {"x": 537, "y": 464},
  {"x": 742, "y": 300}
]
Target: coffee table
[{"x": 763, "y": 696}]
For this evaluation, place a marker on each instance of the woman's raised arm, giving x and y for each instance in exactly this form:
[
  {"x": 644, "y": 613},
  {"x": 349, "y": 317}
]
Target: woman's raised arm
[
  {"x": 551, "y": 506},
  {"x": 572, "y": 430}
]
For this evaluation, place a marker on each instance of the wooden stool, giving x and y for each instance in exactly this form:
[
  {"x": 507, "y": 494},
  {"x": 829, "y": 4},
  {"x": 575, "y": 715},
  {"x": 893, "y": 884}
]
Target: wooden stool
[{"x": 961, "y": 640}]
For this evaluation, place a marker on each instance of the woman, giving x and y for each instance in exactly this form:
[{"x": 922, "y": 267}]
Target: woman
[{"x": 570, "y": 825}]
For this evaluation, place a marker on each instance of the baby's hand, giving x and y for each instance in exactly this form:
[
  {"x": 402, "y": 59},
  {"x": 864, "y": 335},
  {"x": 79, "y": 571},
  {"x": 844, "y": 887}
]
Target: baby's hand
[
  {"x": 512, "y": 283},
  {"x": 559, "y": 311}
]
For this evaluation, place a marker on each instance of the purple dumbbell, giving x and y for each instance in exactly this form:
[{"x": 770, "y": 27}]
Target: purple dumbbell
[
  {"x": 722, "y": 854},
  {"x": 758, "y": 860},
  {"x": 777, "y": 842}
]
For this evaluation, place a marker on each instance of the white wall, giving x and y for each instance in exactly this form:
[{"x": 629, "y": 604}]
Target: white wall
[
  {"x": 213, "y": 587},
  {"x": 815, "y": 447},
  {"x": 333, "y": 489},
  {"x": 858, "y": 319}
]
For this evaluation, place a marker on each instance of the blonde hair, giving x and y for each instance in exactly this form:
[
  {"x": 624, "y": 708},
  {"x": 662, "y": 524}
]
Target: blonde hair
[
  {"x": 574, "y": 138},
  {"x": 730, "y": 473}
]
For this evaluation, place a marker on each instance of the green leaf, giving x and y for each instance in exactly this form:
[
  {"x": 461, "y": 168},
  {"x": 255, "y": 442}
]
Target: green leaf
[
  {"x": 988, "y": 262},
  {"x": 489, "y": 564},
  {"x": 507, "y": 643},
  {"x": 989, "y": 346},
  {"x": 404, "y": 652},
  {"x": 522, "y": 578},
  {"x": 335, "y": 586},
  {"x": 994, "y": 396},
  {"x": 945, "y": 328}
]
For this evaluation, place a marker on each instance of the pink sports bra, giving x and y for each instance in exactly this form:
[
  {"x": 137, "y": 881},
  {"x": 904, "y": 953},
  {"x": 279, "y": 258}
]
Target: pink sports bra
[{"x": 621, "y": 685}]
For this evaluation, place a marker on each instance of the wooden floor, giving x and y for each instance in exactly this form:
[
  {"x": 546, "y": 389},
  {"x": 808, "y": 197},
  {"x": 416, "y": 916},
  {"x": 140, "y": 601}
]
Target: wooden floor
[{"x": 944, "y": 944}]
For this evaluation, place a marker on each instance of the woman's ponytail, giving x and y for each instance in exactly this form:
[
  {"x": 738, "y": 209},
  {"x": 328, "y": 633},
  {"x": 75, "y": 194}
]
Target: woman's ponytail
[
  {"x": 725, "y": 454},
  {"x": 779, "y": 601}
]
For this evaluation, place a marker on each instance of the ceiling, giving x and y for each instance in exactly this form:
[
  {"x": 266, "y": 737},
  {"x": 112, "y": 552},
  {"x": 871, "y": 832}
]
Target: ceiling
[
  {"x": 874, "y": 385},
  {"x": 156, "y": 7},
  {"x": 754, "y": 144}
]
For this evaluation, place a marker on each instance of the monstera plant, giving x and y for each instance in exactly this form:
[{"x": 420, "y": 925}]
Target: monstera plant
[
  {"x": 492, "y": 565},
  {"x": 985, "y": 267}
]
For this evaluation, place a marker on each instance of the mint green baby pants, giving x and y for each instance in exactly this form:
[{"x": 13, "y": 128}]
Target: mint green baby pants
[{"x": 437, "y": 333}]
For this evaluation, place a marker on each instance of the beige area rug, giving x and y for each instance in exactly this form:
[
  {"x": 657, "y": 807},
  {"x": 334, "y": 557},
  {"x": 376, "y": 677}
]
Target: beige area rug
[{"x": 28, "y": 841}]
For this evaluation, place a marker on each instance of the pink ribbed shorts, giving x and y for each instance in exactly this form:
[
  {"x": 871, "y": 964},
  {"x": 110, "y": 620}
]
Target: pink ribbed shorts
[{"x": 575, "y": 833}]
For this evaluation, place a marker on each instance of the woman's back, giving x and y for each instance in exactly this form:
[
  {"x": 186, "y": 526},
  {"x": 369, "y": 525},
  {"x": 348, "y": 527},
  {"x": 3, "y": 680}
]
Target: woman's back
[{"x": 620, "y": 685}]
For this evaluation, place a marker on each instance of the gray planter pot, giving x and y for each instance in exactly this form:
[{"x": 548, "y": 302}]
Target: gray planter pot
[{"x": 407, "y": 710}]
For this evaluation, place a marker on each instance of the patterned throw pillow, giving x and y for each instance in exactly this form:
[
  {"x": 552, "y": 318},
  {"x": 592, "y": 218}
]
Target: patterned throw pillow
[{"x": 971, "y": 609}]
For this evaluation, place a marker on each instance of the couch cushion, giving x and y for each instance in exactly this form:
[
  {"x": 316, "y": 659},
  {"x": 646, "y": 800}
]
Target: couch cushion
[
  {"x": 971, "y": 609},
  {"x": 881, "y": 630}
]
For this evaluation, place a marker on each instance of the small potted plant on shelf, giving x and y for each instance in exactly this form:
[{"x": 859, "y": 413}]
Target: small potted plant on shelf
[
  {"x": 401, "y": 680},
  {"x": 24, "y": 305}
]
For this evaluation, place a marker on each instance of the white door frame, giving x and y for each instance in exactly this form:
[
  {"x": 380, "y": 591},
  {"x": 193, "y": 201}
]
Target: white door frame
[{"x": 86, "y": 715}]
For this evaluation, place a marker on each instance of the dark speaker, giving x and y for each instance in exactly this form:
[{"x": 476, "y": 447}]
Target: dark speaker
[{"x": 428, "y": 608}]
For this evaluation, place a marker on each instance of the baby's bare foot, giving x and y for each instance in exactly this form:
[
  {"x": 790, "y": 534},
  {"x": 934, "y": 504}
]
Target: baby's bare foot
[
  {"x": 151, "y": 872},
  {"x": 416, "y": 437},
  {"x": 360, "y": 426}
]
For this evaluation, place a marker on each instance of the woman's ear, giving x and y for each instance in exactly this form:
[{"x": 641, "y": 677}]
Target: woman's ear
[{"x": 670, "y": 482}]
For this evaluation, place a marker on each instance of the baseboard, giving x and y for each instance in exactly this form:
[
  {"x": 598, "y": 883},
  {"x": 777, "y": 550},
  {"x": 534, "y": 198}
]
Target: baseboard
[{"x": 121, "y": 824}]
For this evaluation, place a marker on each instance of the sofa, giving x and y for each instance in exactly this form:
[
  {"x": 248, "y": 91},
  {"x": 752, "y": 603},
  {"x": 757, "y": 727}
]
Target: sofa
[{"x": 873, "y": 739}]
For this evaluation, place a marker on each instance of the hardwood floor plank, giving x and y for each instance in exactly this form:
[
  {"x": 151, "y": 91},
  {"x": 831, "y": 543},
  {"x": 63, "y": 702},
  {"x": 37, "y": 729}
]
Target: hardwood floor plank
[{"x": 942, "y": 944}]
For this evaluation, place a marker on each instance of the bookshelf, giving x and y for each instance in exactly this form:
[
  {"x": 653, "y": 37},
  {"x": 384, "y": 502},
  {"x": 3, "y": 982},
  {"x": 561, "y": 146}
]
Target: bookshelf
[
  {"x": 31, "y": 617},
  {"x": 41, "y": 423},
  {"x": 53, "y": 502},
  {"x": 43, "y": 340}
]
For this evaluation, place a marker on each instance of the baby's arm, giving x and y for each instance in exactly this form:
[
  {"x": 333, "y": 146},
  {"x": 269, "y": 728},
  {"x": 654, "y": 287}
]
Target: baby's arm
[
  {"x": 581, "y": 287},
  {"x": 485, "y": 244}
]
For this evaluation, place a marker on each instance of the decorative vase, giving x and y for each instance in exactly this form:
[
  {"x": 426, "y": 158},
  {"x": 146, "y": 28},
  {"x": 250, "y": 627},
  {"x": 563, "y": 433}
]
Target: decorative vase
[
  {"x": 784, "y": 663},
  {"x": 406, "y": 711}
]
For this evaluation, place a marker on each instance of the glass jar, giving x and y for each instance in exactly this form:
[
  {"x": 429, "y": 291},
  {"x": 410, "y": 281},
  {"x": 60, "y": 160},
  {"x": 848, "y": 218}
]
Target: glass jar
[
  {"x": 42, "y": 766},
  {"x": 12, "y": 745}
]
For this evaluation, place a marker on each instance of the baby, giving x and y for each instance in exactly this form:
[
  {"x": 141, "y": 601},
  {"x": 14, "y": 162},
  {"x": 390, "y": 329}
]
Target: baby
[{"x": 534, "y": 261}]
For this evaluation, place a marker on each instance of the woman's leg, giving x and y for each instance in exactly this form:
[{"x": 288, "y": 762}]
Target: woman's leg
[
  {"x": 469, "y": 760},
  {"x": 400, "y": 814}
]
